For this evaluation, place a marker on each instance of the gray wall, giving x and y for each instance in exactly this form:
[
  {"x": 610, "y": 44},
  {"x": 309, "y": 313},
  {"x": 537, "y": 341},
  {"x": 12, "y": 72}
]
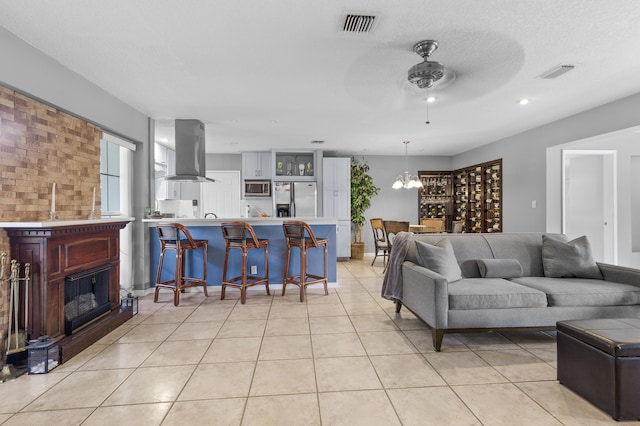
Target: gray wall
[
  {"x": 524, "y": 158},
  {"x": 395, "y": 204},
  {"x": 38, "y": 76}
]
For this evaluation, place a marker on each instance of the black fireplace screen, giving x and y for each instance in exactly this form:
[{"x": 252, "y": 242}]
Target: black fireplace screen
[{"x": 86, "y": 297}]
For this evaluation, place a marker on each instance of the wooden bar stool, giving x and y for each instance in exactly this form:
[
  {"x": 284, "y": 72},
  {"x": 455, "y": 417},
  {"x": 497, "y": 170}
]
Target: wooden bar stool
[
  {"x": 240, "y": 235},
  {"x": 299, "y": 234},
  {"x": 171, "y": 239}
]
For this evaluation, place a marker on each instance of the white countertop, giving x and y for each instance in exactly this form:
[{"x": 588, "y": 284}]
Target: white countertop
[
  {"x": 253, "y": 221},
  {"x": 61, "y": 223}
]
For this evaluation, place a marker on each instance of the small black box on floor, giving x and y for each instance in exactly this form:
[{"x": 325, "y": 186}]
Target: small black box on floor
[
  {"x": 600, "y": 361},
  {"x": 131, "y": 301},
  {"x": 43, "y": 355}
]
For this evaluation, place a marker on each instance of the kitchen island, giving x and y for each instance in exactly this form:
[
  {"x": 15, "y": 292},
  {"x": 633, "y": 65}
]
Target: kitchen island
[{"x": 264, "y": 227}]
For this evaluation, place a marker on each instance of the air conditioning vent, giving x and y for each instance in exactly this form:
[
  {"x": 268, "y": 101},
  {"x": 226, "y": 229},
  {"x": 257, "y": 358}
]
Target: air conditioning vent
[
  {"x": 358, "y": 23},
  {"x": 557, "y": 71}
]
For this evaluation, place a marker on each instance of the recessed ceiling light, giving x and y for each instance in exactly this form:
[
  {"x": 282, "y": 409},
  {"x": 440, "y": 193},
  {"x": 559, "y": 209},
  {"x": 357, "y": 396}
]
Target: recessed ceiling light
[
  {"x": 523, "y": 101},
  {"x": 163, "y": 140},
  {"x": 431, "y": 99}
]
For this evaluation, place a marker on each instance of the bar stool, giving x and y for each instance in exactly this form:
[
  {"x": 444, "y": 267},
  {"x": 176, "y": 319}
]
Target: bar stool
[
  {"x": 240, "y": 235},
  {"x": 170, "y": 239},
  {"x": 299, "y": 234}
]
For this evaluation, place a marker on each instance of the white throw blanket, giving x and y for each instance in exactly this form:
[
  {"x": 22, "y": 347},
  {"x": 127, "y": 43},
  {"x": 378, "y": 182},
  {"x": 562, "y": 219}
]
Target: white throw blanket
[{"x": 392, "y": 283}]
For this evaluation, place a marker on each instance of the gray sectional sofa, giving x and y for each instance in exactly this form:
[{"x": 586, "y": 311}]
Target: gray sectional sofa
[{"x": 509, "y": 295}]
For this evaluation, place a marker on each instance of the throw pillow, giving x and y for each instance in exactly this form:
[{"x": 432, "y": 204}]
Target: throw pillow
[
  {"x": 571, "y": 259},
  {"x": 500, "y": 268},
  {"x": 440, "y": 258}
]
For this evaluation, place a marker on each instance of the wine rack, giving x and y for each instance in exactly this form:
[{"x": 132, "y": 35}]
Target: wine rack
[
  {"x": 435, "y": 197},
  {"x": 471, "y": 196}
]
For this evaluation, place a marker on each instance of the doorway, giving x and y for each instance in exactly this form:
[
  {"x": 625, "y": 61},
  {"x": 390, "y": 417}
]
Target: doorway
[
  {"x": 589, "y": 200},
  {"x": 222, "y": 197}
]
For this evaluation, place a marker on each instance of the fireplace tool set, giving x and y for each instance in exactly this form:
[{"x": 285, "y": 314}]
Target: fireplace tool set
[{"x": 16, "y": 338}]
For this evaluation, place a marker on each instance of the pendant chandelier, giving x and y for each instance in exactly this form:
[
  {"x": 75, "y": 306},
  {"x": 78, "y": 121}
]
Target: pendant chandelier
[{"x": 406, "y": 180}]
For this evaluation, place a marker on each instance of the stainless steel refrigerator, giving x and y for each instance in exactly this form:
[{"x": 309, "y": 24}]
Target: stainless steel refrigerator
[{"x": 295, "y": 199}]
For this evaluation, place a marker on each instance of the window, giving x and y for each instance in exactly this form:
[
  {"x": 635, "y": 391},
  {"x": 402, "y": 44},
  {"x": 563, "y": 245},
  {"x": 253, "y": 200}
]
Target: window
[
  {"x": 110, "y": 177},
  {"x": 116, "y": 186}
]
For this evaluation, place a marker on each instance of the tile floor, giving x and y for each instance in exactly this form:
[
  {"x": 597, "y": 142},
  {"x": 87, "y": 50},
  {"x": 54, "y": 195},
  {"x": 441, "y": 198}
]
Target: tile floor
[{"x": 341, "y": 359}]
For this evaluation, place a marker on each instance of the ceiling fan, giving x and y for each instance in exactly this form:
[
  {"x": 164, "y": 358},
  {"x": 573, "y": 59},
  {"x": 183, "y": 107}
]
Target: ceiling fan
[{"x": 427, "y": 73}]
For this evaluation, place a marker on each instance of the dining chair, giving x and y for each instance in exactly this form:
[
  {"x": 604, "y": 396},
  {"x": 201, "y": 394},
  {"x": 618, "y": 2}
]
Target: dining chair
[
  {"x": 391, "y": 229},
  {"x": 380, "y": 240},
  {"x": 433, "y": 224}
]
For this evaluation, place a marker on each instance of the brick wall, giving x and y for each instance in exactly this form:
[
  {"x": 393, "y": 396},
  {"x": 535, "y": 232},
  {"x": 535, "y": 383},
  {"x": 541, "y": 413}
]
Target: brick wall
[{"x": 40, "y": 145}]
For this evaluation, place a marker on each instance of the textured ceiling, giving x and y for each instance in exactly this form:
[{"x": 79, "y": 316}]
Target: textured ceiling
[{"x": 279, "y": 74}]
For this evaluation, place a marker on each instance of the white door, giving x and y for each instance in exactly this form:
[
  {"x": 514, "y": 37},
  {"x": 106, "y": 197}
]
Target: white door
[
  {"x": 589, "y": 202},
  {"x": 222, "y": 197}
]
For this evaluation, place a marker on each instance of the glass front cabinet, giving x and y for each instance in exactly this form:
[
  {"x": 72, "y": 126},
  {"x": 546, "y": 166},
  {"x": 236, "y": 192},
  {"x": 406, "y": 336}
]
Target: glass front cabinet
[{"x": 294, "y": 166}]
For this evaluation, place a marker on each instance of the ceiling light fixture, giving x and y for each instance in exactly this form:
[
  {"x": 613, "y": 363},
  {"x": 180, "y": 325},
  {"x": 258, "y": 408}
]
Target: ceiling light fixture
[
  {"x": 406, "y": 180},
  {"x": 524, "y": 101},
  {"x": 431, "y": 99}
]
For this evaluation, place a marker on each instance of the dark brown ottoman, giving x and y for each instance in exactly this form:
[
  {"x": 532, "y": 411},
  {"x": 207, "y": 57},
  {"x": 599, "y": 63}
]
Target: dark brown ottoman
[{"x": 600, "y": 361}]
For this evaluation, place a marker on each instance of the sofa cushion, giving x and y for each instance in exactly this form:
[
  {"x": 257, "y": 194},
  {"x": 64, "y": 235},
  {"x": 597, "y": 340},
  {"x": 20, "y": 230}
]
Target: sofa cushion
[
  {"x": 440, "y": 258},
  {"x": 493, "y": 293},
  {"x": 499, "y": 268},
  {"x": 583, "y": 291},
  {"x": 468, "y": 248},
  {"x": 526, "y": 247},
  {"x": 568, "y": 259}
]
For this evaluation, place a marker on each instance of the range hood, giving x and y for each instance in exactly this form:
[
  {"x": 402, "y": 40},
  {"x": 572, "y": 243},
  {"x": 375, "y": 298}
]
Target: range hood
[{"x": 190, "y": 156}]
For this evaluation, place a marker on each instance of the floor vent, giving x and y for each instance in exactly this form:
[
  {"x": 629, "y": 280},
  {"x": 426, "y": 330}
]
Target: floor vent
[{"x": 358, "y": 23}]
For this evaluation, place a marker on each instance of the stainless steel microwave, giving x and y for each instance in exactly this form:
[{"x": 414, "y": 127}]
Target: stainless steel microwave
[{"x": 257, "y": 188}]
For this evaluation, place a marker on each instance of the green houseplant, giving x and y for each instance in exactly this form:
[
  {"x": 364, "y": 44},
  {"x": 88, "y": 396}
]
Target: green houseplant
[{"x": 362, "y": 189}]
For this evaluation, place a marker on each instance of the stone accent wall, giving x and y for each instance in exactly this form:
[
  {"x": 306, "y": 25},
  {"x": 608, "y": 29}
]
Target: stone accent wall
[{"x": 40, "y": 145}]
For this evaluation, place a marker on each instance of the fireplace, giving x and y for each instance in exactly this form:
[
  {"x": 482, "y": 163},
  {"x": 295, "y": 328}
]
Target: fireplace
[
  {"x": 86, "y": 297},
  {"x": 84, "y": 255}
]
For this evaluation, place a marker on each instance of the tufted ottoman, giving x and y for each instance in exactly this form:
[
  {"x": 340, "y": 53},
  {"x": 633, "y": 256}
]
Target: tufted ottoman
[{"x": 600, "y": 360}]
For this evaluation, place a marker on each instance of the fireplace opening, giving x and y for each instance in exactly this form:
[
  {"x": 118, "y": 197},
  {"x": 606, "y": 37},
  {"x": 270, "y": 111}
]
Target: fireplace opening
[{"x": 86, "y": 297}]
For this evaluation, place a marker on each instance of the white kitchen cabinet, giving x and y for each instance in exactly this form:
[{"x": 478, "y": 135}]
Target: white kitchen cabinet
[
  {"x": 336, "y": 200},
  {"x": 256, "y": 165}
]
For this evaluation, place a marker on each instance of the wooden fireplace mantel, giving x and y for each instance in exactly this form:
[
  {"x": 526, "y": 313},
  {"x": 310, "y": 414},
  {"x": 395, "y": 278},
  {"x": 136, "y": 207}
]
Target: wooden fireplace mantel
[{"x": 59, "y": 248}]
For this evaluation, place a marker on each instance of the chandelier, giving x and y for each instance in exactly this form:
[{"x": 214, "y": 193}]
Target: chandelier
[{"x": 407, "y": 180}]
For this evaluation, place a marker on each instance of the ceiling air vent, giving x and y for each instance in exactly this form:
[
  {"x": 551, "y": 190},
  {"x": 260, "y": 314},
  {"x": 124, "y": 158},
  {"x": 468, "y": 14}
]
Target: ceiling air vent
[
  {"x": 358, "y": 23},
  {"x": 557, "y": 71}
]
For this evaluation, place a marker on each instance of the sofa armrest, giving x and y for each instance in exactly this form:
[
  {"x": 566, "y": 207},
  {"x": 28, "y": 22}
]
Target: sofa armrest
[
  {"x": 620, "y": 274},
  {"x": 426, "y": 294}
]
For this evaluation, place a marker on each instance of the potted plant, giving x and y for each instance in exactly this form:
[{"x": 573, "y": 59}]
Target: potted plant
[{"x": 362, "y": 189}]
